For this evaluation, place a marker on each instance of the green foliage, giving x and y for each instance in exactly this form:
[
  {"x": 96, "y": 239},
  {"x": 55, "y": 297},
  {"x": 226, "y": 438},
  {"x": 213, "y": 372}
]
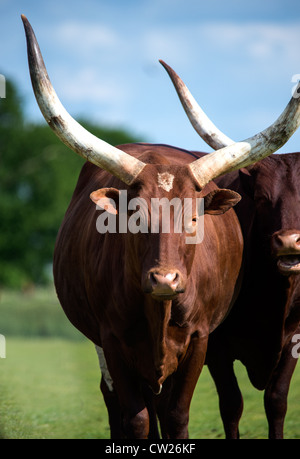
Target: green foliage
[
  {"x": 37, "y": 177},
  {"x": 33, "y": 313}
]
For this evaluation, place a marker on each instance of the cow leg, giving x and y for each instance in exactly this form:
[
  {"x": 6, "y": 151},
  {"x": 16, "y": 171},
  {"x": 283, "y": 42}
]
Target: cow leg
[
  {"x": 276, "y": 393},
  {"x": 110, "y": 397},
  {"x": 151, "y": 407},
  {"x": 230, "y": 397},
  {"x": 135, "y": 417},
  {"x": 128, "y": 388},
  {"x": 113, "y": 410},
  {"x": 176, "y": 411}
]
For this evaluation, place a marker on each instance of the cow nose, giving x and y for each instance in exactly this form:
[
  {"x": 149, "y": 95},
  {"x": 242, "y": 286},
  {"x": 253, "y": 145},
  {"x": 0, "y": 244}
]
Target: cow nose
[
  {"x": 164, "y": 284},
  {"x": 286, "y": 243}
]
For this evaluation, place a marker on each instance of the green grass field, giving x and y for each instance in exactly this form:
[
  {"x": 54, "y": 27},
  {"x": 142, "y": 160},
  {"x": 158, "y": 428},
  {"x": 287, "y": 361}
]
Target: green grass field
[{"x": 49, "y": 381}]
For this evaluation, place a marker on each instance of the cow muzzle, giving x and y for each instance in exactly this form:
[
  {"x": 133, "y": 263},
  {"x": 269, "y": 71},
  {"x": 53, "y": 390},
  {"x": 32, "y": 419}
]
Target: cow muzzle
[
  {"x": 164, "y": 285},
  {"x": 286, "y": 249}
]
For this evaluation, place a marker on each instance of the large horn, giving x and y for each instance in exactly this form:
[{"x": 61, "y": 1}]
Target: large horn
[
  {"x": 234, "y": 155},
  {"x": 95, "y": 150},
  {"x": 199, "y": 120}
]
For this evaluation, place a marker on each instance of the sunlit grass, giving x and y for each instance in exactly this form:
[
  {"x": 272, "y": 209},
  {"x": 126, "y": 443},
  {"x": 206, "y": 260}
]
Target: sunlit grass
[{"x": 49, "y": 387}]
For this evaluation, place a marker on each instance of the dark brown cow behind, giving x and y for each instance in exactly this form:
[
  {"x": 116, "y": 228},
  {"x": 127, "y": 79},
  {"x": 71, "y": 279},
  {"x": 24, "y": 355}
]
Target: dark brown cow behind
[
  {"x": 149, "y": 300},
  {"x": 266, "y": 316},
  {"x": 264, "y": 322}
]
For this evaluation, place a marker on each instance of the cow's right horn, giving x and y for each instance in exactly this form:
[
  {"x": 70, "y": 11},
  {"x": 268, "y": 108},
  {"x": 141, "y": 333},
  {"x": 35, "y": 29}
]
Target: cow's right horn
[
  {"x": 231, "y": 155},
  {"x": 95, "y": 150}
]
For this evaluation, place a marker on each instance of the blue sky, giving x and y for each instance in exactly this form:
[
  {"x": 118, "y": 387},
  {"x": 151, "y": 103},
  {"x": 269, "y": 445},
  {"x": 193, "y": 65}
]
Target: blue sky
[{"x": 236, "y": 57}]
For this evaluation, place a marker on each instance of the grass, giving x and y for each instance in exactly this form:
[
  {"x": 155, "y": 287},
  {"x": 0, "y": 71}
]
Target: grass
[{"x": 49, "y": 387}]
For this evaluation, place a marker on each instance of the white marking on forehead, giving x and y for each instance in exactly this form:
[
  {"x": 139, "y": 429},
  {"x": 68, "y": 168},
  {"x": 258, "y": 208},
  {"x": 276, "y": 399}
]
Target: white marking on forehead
[
  {"x": 103, "y": 367},
  {"x": 165, "y": 181}
]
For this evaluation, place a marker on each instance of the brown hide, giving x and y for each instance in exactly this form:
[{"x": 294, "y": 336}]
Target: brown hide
[
  {"x": 266, "y": 315},
  {"x": 99, "y": 282}
]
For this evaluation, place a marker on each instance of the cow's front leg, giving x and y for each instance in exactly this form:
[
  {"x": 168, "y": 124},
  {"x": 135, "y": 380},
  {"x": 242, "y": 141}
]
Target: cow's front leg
[
  {"x": 110, "y": 397},
  {"x": 175, "y": 418},
  {"x": 134, "y": 413},
  {"x": 276, "y": 393},
  {"x": 128, "y": 390},
  {"x": 220, "y": 364},
  {"x": 230, "y": 396},
  {"x": 113, "y": 410}
]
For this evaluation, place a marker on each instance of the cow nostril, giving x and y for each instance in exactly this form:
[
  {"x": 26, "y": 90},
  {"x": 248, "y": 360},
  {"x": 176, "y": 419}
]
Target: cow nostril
[
  {"x": 175, "y": 280},
  {"x": 286, "y": 242},
  {"x": 278, "y": 240},
  {"x": 153, "y": 279}
]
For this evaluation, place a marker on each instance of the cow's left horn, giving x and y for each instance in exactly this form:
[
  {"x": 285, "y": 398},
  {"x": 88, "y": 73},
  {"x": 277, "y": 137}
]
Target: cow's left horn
[
  {"x": 95, "y": 150},
  {"x": 234, "y": 155}
]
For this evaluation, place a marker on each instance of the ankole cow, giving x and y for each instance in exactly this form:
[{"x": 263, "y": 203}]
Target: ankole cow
[
  {"x": 263, "y": 326},
  {"x": 148, "y": 300},
  {"x": 266, "y": 316}
]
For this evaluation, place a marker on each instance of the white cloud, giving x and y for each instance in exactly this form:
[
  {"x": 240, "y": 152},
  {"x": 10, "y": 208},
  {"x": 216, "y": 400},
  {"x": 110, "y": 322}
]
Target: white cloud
[
  {"x": 259, "y": 40},
  {"x": 86, "y": 88},
  {"x": 85, "y": 37},
  {"x": 186, "y": 43}
]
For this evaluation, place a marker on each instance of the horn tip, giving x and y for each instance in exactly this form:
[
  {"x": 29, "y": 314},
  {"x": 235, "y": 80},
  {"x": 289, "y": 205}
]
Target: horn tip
[
  {"x": 172, "y": 74},
  {"x": 26, "y": 23},
  {"x": 163, "y": 64}
]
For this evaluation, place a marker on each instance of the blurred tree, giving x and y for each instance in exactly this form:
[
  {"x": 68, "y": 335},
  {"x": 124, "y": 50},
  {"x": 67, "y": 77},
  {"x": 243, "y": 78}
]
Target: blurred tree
[{"x": 37, "y": 177}]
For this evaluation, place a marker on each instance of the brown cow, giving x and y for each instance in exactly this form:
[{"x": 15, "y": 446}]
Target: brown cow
[
  {"x": 266, "y": 316},
  {"x": 263, "y": 325},
  {"x": 148, "y": 299}
]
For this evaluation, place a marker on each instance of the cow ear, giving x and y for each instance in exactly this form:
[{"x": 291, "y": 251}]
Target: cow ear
[
  {"x": 219, "y": 201},
  {"x": 107, "y": 199}
]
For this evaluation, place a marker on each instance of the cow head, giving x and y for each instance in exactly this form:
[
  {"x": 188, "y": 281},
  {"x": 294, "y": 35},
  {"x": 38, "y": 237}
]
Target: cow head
[
  {"x": 272, "y": 185},
  {"x": 163, "y": 201}
]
